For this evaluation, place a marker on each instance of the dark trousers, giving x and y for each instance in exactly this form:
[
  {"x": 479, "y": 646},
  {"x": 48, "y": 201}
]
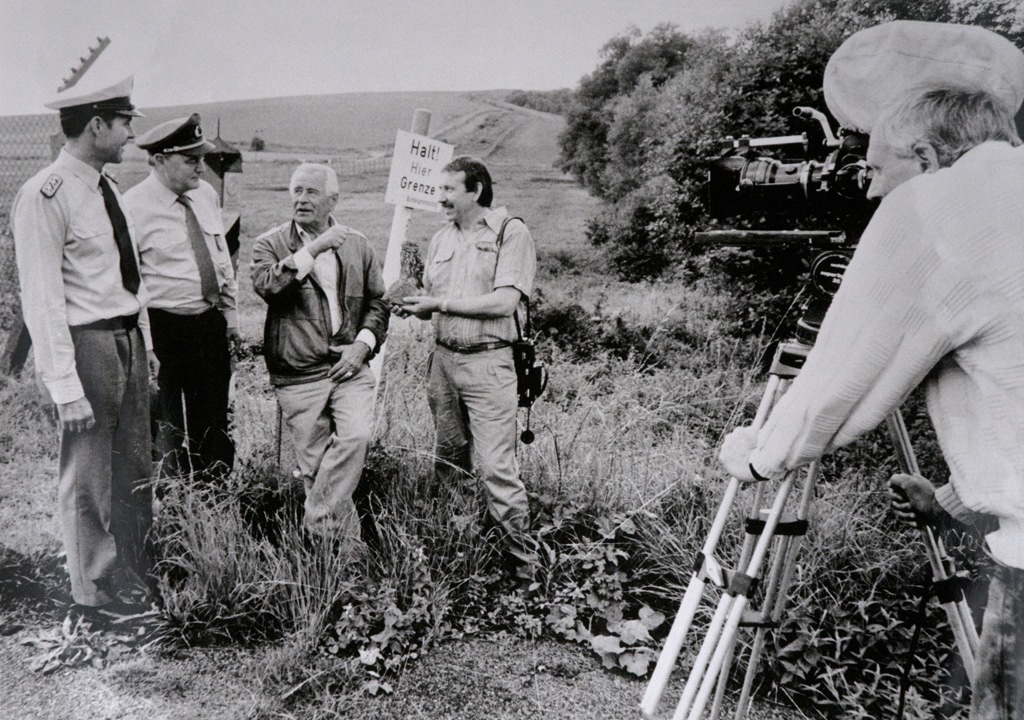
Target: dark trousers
[
  {"x": 195, "y": 364},
  {"x": 105, "y": 505},
  {"x": 999, "y": 675}
]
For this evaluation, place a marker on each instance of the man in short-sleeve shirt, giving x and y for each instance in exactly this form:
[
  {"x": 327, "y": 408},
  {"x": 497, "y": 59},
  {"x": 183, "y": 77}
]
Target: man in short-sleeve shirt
[{"x": 474, "y": 288}]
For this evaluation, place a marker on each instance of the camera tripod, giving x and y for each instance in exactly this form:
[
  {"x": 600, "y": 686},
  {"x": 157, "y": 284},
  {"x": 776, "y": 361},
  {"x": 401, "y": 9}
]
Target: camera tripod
[{"x": 773, "y": 536}]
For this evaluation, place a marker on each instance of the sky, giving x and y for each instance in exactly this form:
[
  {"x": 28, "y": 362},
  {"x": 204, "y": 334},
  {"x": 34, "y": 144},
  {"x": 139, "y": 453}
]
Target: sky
[{"x": 193, "y": 51}]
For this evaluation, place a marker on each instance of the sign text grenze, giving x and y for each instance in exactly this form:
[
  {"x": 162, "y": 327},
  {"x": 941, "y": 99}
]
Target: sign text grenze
[{"x": 415, "y": 171}]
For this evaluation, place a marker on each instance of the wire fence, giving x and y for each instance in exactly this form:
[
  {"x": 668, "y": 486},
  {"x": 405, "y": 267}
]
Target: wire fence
[{"x": 25, "y": 149}]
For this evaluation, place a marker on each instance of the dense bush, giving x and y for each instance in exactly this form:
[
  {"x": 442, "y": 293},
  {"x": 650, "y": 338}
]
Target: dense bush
[{"x": 643, "y": 122}]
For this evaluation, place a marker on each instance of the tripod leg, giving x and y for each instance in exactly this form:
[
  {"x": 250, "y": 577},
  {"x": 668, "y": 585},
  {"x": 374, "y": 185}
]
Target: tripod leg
[
  {"x": 740, "y": 601},
  {"x": 687, "y": 609},
  {"x": 776, "y": 594},
  {"x": 723, "y": 681},
  {"x": 707, "y": 648},
  {"x": 958, "y": 613},
  {"x": 781, "y": 555},
  {"x": 695, "y": 588}
]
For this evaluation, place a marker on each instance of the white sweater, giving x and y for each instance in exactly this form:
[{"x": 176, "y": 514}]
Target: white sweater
[{"x": 934, "y": 294}]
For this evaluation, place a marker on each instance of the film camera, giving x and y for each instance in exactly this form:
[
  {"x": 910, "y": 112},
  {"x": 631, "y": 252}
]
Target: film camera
[{"x": 773, "y": 184}]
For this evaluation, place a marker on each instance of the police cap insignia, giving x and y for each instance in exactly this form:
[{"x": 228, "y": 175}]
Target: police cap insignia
[{"x": 52, "y": 185}]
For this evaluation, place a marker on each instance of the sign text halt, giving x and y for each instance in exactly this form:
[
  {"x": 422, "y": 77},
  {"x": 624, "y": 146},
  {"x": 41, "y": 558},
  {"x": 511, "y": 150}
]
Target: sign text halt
[{"x": 415, "y": 171}]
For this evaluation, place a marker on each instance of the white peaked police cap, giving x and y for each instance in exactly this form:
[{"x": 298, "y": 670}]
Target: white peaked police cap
[
  {"x": 879, "y": 65},
  {"x": 115, "y": 98}
]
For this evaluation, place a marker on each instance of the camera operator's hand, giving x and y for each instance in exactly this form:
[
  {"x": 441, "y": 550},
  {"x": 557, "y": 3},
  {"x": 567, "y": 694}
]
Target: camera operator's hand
[
  {"x": 913, "y": 500},
  {"x": 735, "y": 453}
]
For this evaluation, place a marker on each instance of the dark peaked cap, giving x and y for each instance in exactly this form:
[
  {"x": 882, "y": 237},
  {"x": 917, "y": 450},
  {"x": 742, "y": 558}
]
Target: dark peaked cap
[
  {"x": 182, "y": 135},
  {"x": 115, "y": 98}
]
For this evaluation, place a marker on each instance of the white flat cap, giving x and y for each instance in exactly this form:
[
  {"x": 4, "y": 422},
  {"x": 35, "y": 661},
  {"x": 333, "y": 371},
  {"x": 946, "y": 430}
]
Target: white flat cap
[
  {"x": 115, "y": 98},
  {"x": 879, "y": 65}
]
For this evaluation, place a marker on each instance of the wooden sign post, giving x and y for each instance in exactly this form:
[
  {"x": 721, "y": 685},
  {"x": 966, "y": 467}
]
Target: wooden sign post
[{"x": 412, "y": 184}]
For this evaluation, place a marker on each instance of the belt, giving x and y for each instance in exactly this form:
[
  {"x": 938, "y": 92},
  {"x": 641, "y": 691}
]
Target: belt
[
  {"x": 178, "y": 313},
  {"x": 480, "y": 347},
  {"x": 181, "y": 318},
  {"x": 125, "y": 322}
]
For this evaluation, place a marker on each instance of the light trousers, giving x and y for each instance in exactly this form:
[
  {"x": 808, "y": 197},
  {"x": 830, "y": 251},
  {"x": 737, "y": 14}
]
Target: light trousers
[
  {"x": 474, "y": 402},
  {"x": 331, "y": 426}
]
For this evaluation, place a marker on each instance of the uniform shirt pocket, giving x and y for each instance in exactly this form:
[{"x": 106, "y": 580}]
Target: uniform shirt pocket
[
  {"x": 215, "y": 232},
  {"x": 91, "y": 234}
]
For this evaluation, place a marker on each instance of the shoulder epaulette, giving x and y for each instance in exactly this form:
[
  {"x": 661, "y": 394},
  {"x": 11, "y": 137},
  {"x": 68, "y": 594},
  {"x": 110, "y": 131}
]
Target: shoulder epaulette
[{"x": 52, "y": 185}]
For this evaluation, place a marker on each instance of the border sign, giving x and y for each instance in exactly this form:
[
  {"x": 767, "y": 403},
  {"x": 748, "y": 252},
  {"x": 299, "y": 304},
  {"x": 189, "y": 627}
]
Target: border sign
[{"x": 415, "y": 171}]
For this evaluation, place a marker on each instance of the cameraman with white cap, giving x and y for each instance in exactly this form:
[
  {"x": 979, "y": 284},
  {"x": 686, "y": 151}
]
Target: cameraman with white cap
[{"x": 934, "y": 295}]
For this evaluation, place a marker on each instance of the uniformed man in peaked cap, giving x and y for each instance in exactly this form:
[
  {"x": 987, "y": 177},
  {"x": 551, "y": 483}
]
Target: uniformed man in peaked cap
[
  {"x": 191, "y": 282},
  {"x": 82, "y": 296}
]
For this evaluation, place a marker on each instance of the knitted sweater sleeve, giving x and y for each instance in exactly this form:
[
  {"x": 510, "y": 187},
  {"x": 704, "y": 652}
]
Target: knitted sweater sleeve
[{"x": 880, "y": 338}]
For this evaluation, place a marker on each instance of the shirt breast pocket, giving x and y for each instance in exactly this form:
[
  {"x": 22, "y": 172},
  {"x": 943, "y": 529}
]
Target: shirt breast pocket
[
  {"x": 91, "y": 234},
  {"x": 485, "y": 262},
  {"x": 440, "y": 271},
  {"x": 214, "y": 235}
]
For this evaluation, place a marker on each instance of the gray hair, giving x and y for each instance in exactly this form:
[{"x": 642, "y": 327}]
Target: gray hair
[
  {"x": 951, "y": 119},
  {"x": 330, "y": 177}
]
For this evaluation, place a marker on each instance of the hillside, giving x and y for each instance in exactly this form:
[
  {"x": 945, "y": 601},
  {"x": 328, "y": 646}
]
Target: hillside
[{"x": 360, "y": 122}]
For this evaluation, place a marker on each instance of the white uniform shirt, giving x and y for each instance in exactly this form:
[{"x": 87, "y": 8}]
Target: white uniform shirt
[
  {"x": 169, "y": 266},
  {"x": 68, "y": 266}
]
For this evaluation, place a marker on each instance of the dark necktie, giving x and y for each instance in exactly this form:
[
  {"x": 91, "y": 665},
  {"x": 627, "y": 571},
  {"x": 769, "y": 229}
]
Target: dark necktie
[
  {"x": 129, "y": 267},
  {"x": 207, "y": 275}
]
